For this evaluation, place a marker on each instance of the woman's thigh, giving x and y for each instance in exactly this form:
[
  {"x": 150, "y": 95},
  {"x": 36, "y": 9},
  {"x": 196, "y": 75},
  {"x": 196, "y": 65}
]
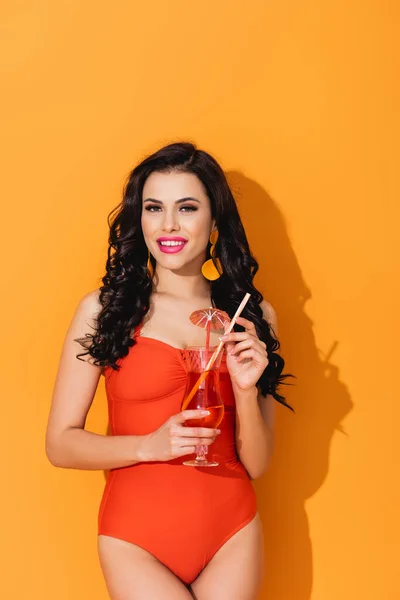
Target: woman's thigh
[
  {"x": 132, "y": 573},
  {"x": 235, "y": 572}
]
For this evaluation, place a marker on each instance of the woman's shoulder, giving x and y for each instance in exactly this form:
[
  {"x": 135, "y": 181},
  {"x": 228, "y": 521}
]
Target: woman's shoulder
[
  {"x": 90, "y": 303},
  {"x": 88, "y": 308},
  {"x": 269, "y": 314}
]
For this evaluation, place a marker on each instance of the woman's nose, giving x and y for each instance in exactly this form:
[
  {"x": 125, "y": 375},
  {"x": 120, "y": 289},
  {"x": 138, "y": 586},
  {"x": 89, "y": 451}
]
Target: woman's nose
[{"x": 170, "y": 221}]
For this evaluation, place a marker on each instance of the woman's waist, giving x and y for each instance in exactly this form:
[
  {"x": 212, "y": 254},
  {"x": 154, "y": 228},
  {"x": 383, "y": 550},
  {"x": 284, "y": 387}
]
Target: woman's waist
[
  {"x": 173, "y": 474},
  {"x": 150, "y": 488}
]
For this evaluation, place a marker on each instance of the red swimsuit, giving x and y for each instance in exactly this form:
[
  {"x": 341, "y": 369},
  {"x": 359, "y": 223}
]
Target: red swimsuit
[{"x": 181, "y": 515}]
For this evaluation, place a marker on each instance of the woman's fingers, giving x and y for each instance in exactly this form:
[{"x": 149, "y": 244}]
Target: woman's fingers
[
  {"x": 182, "y": 442},
  {"x": 252, "y": 353},
  {"x": 199, "y": 432},
  {"x": 237, "y": 336},
  {"x": 248, "y": 325},
  {"x": 186, "y": 450},
  {"x": 185, "y": 415},
  {"x": 248, "y": 343}
]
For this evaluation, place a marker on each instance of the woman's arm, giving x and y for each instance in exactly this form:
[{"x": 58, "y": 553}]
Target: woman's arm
[
  {"x": 254, "y": 430},
  {"x": 69, "y": 445},
  {"x": 255, "y": 419},
  {"x": 77, "y": 448}
]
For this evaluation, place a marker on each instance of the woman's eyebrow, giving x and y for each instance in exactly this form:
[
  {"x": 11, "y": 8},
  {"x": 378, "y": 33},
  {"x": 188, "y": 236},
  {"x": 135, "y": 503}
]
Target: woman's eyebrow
[{"x": 176, "y": 201}]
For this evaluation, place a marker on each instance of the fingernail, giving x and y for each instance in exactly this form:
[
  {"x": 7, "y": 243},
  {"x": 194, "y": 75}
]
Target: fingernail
[
  {"x": 223, "y": 338},
  {"x": 205, "y": 412},
  {"x": 218, "y": 431}
]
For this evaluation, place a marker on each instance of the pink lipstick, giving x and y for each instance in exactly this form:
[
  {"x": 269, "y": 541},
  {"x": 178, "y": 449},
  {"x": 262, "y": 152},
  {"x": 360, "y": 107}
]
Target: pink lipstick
[{"x": 171, "y": 245}]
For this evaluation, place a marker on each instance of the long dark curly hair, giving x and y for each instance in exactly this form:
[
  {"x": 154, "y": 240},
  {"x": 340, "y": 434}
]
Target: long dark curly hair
[{"x": 127, "y": 284}]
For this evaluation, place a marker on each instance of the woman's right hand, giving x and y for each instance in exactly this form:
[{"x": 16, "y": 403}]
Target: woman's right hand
[{"x": 173, "y": 439}]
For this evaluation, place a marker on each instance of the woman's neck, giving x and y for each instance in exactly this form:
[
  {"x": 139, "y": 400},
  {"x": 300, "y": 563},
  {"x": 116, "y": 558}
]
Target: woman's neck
[{"x": 169, "y": 284}]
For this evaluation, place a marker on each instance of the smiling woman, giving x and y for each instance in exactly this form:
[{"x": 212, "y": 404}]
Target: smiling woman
[
  {"x": 187, "y": 220},
  {"x": 162, "y": 525}
]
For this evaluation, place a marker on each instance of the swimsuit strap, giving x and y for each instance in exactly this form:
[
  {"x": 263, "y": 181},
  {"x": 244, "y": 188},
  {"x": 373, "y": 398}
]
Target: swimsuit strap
[{"x": 137, "y": 330}]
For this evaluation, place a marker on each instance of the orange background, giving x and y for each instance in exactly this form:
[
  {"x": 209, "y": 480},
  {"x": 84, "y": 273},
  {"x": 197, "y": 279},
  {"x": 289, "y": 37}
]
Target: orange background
[{"x": 299, "y": 101}]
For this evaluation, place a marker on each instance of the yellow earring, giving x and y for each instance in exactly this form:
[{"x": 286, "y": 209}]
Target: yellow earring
[
  {"x": 150, "y": 266},
  {"x": 212, "y": 268}
]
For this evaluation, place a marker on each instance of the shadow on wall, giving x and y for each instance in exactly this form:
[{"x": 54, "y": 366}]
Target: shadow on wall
[{"x": 301, "y": 459}]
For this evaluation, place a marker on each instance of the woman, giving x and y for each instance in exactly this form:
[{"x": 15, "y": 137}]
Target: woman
[{"x": 167, "y": 530}]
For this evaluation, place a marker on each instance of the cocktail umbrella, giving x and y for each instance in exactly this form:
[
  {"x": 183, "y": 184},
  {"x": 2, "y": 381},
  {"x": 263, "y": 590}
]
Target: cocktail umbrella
[{"x": 211, "y": 319}]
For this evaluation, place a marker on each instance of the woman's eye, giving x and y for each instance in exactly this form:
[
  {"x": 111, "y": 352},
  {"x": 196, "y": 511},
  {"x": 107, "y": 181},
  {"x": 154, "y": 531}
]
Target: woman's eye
[{"x": 188, "y": 208}]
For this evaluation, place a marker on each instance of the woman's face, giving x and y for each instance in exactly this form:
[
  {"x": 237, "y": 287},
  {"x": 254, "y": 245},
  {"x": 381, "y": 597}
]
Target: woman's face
[{"x": 176, "y": 207}]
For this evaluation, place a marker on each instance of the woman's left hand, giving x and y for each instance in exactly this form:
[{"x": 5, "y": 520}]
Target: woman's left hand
[{"x": 246, "y": 355}]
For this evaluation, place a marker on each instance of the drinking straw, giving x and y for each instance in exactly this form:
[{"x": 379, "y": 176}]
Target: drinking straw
[
  {"x": 207, "y": 347},
  {"x": 215, "y": 355},
  {"x": 208, "y": 333}
]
